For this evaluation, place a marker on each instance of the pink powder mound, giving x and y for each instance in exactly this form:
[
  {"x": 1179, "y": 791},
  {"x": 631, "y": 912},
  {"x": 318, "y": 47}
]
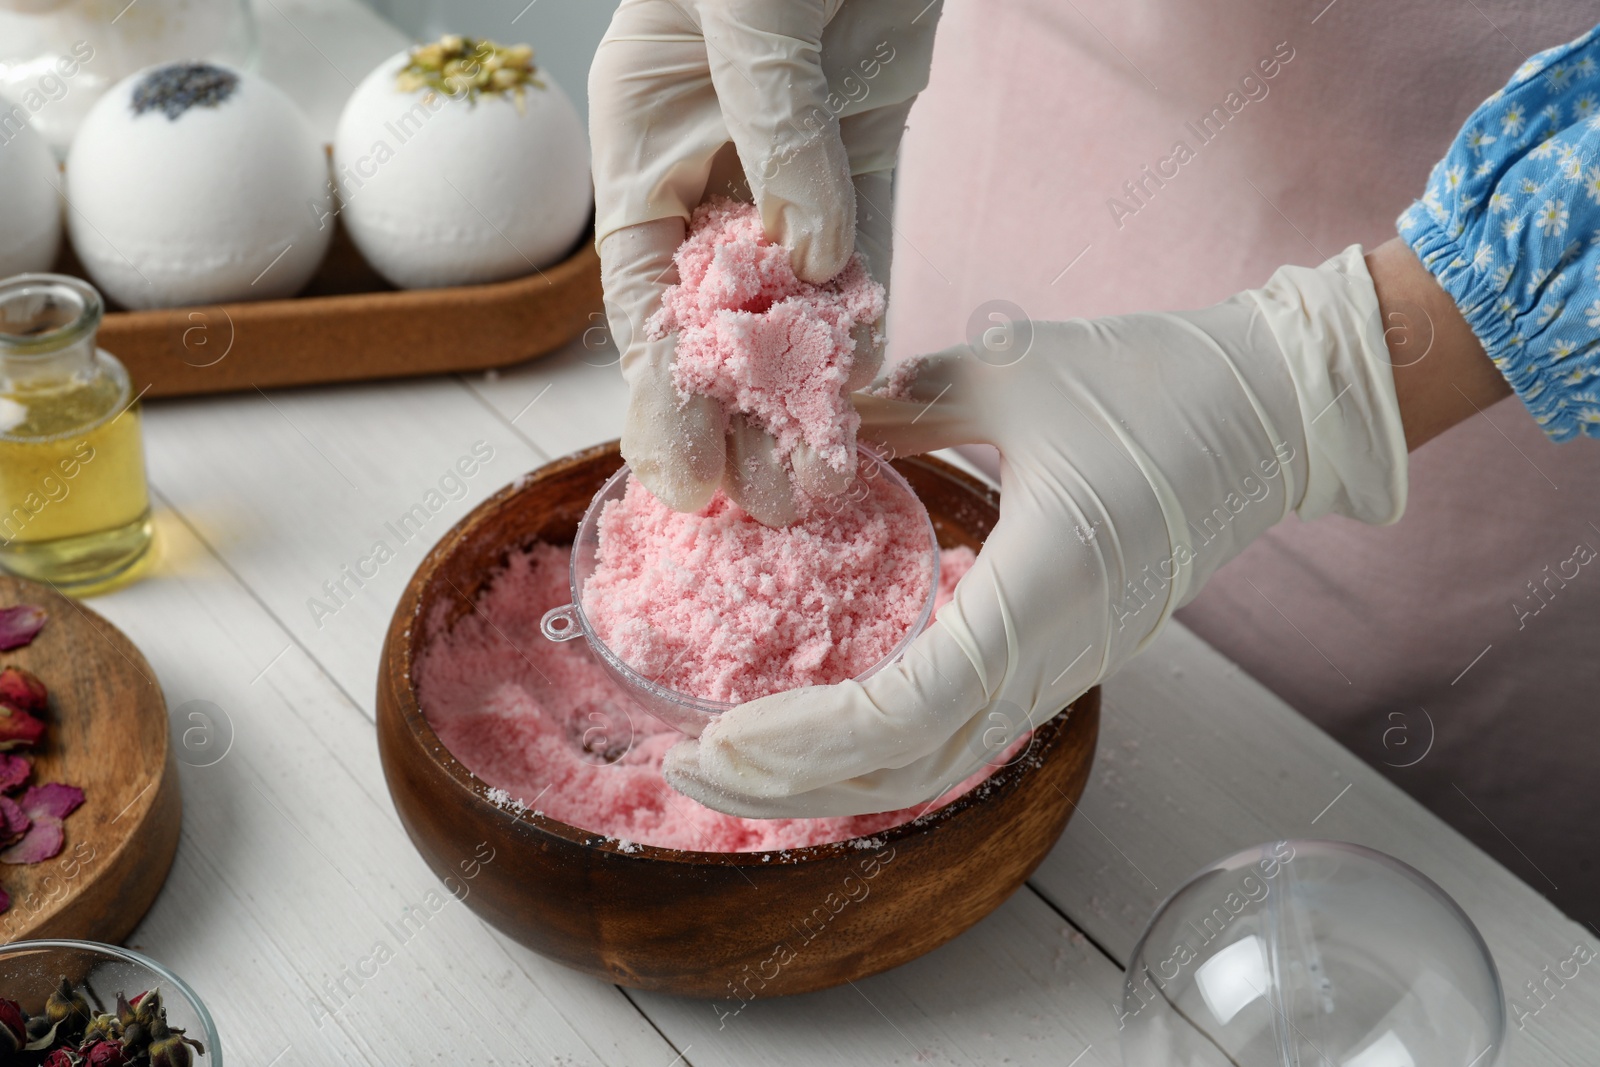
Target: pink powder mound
[
  {"x": 718, "y": 606},
  {"x": 756, "y": 338},
  {"x": 543, "y": 723}
]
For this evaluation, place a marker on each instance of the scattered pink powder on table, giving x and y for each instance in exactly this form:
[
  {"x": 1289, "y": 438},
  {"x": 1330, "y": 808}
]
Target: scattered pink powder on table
[
  {"x": 541, "y": 720},
  {"x": 756, "y": 338},
  {"x": 718, "y": 606}
]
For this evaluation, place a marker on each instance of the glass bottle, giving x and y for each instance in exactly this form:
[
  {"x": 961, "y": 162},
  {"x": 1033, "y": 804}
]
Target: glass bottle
[{"x": 74, "y": 506}]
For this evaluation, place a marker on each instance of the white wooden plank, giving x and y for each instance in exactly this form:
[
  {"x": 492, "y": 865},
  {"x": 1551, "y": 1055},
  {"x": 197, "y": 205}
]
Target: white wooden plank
[
  {"x": 1022, "y": 987},
  {"x": 297, "y": 490},
  {"x": 1197, "y": 760},
  {"x": 308, "y": 512},
  {"x": 568, "y": 400},
  {"x": 293, "y": 868}
]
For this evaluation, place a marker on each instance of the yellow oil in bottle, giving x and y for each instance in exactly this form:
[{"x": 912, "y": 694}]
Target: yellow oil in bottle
[{"x": 74, "y": 507}]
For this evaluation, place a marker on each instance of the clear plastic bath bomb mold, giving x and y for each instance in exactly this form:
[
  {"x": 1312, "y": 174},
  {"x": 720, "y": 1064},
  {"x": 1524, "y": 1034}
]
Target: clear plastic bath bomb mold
[{"x": 1312, "y": 954}]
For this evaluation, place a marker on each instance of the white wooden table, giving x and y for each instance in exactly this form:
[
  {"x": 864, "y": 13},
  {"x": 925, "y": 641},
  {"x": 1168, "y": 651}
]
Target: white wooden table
[{"x": 293, "y": 868}]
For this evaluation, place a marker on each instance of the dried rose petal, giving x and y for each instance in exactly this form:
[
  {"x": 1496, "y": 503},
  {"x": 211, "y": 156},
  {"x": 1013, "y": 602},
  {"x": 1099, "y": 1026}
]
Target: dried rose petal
[
  {"x": 22, "y": 690},
  {"x": 19, "y": 624},
  {"x": 14, "y": 770},
  {"x": 13, "y": 821},
  {"x": 18, "y": 729},
  {"x": 42, "y": 841},
  {"x": 51, "y": 800},
  {"x": 5, "y": 901},
  {"x": 12, "y": 1021}
]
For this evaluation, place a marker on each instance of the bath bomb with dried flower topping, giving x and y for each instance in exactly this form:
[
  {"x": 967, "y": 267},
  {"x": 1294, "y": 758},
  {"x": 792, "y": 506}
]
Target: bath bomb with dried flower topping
[
  {"x": 460, "y": 162},
  {"x": 30, "y": 214},
  {"x": 194, "y": 183}
]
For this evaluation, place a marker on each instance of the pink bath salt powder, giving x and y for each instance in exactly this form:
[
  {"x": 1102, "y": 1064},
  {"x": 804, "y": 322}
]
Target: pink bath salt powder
[
  {"x": 901, "y": 379},
  {"x": 760, "y": 341},
  {"x": 715, "y": 605},
  {"x": 544, "y": 723}
]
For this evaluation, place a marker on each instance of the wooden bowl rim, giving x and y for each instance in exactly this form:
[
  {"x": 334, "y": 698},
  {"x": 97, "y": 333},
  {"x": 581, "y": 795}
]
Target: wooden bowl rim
[{"x": 406, "y": 633}]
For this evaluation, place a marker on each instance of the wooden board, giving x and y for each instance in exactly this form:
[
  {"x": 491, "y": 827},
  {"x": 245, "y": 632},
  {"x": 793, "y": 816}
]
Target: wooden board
[
  {"x": 350, "y": 325},
  {"x": 107, "y": 735}
]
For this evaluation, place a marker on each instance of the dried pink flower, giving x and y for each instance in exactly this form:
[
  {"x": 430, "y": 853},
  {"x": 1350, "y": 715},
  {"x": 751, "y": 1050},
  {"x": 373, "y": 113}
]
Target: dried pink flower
[
  {"x": 13, "y": 1024},
  {"x": 19, "y": 624},
  {"x": 51, "y": 799},
  {"x": 45, "y": 805},
  {"x": 14, "y": 771},
  {"x": 42, "y": 841},
  {"x": 22, "y": 689},
  {"x": 14, "y": 822},
  {"x": 18, "y": 729}
]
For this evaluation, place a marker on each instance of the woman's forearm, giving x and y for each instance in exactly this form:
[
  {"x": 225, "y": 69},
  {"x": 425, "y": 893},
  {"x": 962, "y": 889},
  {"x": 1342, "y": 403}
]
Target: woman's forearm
[{"x": 1441, "y": 374}]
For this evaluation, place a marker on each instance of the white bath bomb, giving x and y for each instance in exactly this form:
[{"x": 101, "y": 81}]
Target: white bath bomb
[
  {"x": 30, "y": 215},
  {"x": 438, "y": 190},
  {"x": 193, "y": 183}
]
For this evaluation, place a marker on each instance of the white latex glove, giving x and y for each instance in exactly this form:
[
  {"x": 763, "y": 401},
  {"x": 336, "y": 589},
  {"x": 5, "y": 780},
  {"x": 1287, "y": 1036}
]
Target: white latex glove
[
  {"x": 1138, "y": 454},
  {"x": 810, "y": 96}
]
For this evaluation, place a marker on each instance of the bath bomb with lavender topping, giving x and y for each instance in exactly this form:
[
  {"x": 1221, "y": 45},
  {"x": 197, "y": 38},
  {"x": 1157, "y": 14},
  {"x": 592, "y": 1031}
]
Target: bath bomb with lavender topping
[
  {"x": 460, "y": 162},
  {"x": 194, "y": 183}
]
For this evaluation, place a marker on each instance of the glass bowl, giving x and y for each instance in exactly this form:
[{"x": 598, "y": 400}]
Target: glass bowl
[
  {"x": 689, "y": 714},
  {"x": 1311, "y": 952},
  {"x": 30, "y": 970}
]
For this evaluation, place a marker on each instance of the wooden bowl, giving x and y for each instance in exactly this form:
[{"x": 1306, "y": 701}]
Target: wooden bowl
[
  {"x": 731, "y": 926},
  {"x": 107, "y": 734}
]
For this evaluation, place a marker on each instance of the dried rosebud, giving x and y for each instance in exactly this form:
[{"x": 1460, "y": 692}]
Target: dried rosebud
[
  {"x": 103, "y": 1054},
  {"x": 102, "y": 1027},
  {"x": 169, "y": 1048},
  {"x": 18, "y": 729},
  {"x": 67, "y": 1010},
  {"x": 63, "y": 1057},
  {"x": 23, "y": 690},
  {"x": 148, "y": 1009},
  {"x": 135, "y": 1038},
  {"x": 13, "y": 1027}
]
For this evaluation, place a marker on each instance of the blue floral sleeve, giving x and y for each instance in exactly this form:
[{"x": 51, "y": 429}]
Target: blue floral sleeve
[{"x": 1510, "y": 227}]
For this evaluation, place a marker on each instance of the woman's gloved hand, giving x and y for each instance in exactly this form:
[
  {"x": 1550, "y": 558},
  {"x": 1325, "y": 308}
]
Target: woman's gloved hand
[
  {"x": 799, "y": 105},
  {"x": 1138, "y": 454}
]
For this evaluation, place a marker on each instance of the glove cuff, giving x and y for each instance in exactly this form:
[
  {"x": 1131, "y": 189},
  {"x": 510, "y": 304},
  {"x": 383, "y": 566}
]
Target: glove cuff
[{"x": 1330, "y": 331}]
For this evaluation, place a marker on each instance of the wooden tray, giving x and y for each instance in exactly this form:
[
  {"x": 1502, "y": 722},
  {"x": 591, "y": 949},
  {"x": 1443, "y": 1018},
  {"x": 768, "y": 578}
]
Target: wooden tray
[
  {"x": 107, "y": 734},
  {"x": 350, "y": 325}
]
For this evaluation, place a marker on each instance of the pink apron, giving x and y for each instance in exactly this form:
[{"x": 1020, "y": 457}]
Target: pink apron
[{"x": 1086, "y": 157}]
